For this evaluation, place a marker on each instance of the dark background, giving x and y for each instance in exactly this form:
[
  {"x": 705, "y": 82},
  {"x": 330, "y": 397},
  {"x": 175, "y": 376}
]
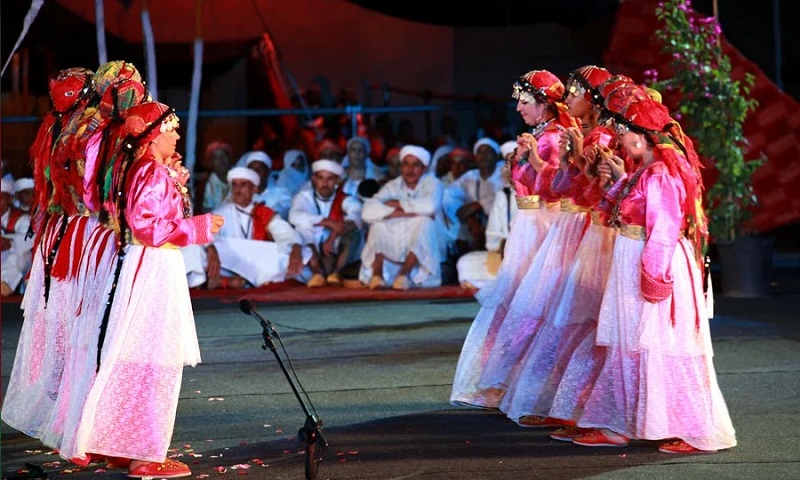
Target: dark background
[{"x": 748, "y": 25}]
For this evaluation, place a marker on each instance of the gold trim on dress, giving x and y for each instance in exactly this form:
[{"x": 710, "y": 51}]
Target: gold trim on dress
[
  {"x": 635, "y": 232},
  {"x": 529, "y": 202},
  {"x": 597, "y": 219},
  {"x": 567, "y": 205},
  {"x": 135, "y": 241}
]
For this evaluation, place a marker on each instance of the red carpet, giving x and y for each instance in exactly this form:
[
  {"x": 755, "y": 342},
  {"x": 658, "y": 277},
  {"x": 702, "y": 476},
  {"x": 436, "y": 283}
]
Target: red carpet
[{"x": 294, "y": 292}]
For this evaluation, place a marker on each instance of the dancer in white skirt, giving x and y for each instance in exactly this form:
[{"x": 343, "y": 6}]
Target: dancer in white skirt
[
  {"x": 576, "y": 299},
  {"x": 544, "y": 274},
  {"x": 146, "y": 331},
  {"x": 658, "y": 380},
  {"x": 34, "y": 384},
  {"x": 586, "y": 358},
  {"x": 538, "y": 94}
]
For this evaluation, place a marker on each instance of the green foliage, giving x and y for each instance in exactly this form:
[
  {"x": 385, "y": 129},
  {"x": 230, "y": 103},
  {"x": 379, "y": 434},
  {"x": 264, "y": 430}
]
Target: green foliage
[{"x": 712, "y": 108}]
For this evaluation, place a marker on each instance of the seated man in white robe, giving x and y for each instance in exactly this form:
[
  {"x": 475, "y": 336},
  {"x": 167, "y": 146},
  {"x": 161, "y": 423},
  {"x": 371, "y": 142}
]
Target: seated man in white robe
[
  {"x": 255, "y": 246},
  {"x": 478, "y": 269},
  {"x": 329, "y": 220},
  {"x": 402, "y": 248},
  {"x": 23, "y": 194},
  {"x": 468, "y": 200},
  {"x": 17, "y": 250},
  {"x": 268, "y": 192}
]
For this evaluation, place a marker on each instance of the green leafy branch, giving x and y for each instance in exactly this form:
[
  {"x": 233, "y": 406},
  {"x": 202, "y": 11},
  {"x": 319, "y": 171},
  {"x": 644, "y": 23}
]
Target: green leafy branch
[{"x": 712, "y": 108}]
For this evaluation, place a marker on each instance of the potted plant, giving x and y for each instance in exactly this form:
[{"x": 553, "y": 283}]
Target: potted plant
[{"x": 712, "y": 108}]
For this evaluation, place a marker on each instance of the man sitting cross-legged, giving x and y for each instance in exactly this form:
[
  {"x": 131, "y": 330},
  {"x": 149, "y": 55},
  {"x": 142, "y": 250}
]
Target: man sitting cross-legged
[
  {"x": 330, "y": 223},
  {"x": 254, "y": 247},
  {"x": 402, "y": 249}
]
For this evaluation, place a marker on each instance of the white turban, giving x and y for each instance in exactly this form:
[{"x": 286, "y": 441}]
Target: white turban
[
  {"x": 327, "y": 166},
  {"x": 244, "y": 173},
  {"x": 486, "y": 141},
  {"x": 420, "y": 152},
  {"x": 508, "y": 147},
  {"x": 255, "y": 156},
  {"x": 8, "y": 186},
  {"x": 23, "y": 184}
]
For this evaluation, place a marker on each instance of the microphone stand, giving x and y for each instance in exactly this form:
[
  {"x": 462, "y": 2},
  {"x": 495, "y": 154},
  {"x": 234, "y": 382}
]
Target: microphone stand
[{"x": 310, "y": 432}]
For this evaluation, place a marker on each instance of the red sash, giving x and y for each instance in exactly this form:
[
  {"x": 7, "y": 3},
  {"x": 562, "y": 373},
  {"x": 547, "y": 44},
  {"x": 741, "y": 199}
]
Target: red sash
[
  {"x": 13, "y": 216},
  {"x": 262, "y": 215},
  {"x": 337, "y": 212}
]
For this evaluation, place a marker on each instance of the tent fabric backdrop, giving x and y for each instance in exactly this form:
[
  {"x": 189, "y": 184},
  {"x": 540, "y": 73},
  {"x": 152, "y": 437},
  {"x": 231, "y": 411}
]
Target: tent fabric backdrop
[{"x": 174, "y": 20}]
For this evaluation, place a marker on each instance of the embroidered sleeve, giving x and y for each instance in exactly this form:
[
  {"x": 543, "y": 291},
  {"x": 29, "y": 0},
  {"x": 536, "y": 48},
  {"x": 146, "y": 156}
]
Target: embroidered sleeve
[
  {"x": 155, "y": 212},
  {"x": 663, "y": 226}
]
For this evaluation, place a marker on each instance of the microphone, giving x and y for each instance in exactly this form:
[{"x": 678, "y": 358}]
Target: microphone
[{"x": 247, "y": 307}]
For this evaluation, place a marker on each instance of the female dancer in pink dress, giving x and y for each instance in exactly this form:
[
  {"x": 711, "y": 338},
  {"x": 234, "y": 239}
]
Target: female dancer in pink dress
[
  {"x": 658, "y": 380},
  {"x": 538, "y": 93},
  {"x": 544, "y": 274},
  {"x": 146, "y": 330},
  {"x": 573, "y": 310},
  {"x": 586, "y": 360}
]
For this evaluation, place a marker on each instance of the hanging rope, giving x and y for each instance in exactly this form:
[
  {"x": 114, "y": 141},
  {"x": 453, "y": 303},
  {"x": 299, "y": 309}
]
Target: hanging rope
[
  {"x": 194, "y": 96},
  {"x": 150, "y": 51},
  {"x": 100, "y": 31},
  {"x": 26, "y": 25}
]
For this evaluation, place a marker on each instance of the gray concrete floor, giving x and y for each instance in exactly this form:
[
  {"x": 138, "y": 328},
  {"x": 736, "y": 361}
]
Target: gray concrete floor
[{"x": 379, "y": 378}]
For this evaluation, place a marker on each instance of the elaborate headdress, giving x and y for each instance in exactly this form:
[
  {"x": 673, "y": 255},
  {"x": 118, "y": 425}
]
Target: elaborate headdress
[
  {"x": 588, "y": 78},
  {"x": 81, "y": 128},
  {"x": 544, "y": 87},
  {"x": 652, "y": 118},
  {"x": 139, "y": 125},
  {"x": 619, "y": 96},
  {"x": 69, "y": 91},
  {"x": 538, "y": 86}
]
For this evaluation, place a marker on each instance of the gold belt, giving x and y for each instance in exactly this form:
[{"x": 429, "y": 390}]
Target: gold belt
[
  {"x": 135, "y": 241},
  {"x": 529, "y": 202},
  {"x": 567, "y": 205},
  {"x": 597, "y": 219},
  {"x": 635, "y": 232}
]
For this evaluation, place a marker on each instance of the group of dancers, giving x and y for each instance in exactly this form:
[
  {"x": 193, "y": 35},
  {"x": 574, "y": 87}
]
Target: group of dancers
[
  {"x": 108, "y": 321},
  {"x": 597, "y": 324}
]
